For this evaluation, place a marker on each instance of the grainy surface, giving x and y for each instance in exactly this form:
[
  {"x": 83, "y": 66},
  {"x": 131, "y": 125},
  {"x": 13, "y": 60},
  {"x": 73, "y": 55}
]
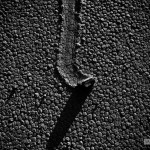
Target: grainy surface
[{"x": 36, "y": 104}]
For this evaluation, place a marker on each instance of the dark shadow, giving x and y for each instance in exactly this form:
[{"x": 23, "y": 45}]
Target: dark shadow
[
  {"x": 72, "y": 108},
  {"x": 12, "y": 92}
]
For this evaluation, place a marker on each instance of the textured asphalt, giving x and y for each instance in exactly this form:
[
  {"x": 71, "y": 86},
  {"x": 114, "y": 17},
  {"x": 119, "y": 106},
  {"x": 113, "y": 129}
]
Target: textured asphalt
[{"x": 39, "y": 111}]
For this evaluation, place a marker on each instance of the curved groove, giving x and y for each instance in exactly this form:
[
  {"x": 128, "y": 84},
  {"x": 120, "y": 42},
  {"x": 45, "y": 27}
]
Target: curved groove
[{"x": 66, "y": 63}]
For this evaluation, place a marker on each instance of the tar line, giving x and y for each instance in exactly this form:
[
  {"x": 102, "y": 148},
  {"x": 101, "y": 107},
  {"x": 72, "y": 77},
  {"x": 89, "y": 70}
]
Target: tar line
[{"x": 69, "y": 43}]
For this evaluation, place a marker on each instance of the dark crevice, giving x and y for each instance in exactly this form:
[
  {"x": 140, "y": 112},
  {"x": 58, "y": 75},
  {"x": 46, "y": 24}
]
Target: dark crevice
[
  {"x": 12, "y": 92},
  {"x": 77, "y": 6},
  {"x": 72, "y": 108},
  {"x": 60, "y": 6},
  {"x": 78, "y": 10}
]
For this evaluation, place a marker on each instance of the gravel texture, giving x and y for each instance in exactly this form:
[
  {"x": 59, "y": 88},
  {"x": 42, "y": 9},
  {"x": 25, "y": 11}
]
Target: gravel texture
[{"x": 39, "y": 111}]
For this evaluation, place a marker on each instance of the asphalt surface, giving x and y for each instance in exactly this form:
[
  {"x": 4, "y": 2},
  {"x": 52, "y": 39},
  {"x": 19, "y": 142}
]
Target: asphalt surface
[{"x": 39, "y": 111}]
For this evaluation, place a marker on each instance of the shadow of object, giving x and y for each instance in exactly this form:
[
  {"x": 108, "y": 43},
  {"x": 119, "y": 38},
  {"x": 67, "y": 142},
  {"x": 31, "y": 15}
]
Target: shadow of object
[{"x": 72, "y": 108}]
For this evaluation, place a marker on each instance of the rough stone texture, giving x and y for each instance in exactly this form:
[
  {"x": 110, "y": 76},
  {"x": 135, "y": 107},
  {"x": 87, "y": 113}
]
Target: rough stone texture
[{"x": 36, "y": 104}]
